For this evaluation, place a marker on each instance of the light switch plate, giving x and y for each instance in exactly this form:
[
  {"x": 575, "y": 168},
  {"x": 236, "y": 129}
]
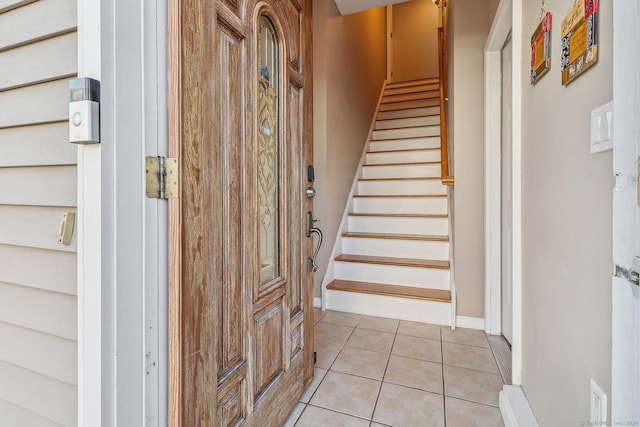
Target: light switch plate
[{"x": 601, "y": 128}]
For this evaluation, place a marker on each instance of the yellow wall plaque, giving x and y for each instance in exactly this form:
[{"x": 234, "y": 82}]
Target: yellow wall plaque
[
  {"x": 541, "y": 48},
  {"x": 579, "y": 39}
]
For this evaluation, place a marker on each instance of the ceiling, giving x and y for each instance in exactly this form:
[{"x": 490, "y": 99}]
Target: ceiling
[{"x": 347, "y": 7}]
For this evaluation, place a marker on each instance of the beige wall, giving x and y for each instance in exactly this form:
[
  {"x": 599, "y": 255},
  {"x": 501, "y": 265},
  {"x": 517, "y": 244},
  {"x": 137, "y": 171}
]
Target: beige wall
[
  {"x": 349, "y": 68},
  {"x": 469, "y": 23},
  {"x": 415, "y": 40},
  {"x": 567, "y": 231}
]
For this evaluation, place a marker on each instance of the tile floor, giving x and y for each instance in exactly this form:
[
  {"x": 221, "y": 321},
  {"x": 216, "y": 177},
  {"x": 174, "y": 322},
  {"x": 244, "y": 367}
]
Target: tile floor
[{"x": 375, "y": 372}]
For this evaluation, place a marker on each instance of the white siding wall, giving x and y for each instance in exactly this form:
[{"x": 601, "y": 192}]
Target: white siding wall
[{"x": 38, "y": 344}]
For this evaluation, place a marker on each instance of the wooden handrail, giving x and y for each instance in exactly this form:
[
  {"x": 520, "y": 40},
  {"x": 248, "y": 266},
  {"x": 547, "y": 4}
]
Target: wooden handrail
[{"x": 447, "y": 179}]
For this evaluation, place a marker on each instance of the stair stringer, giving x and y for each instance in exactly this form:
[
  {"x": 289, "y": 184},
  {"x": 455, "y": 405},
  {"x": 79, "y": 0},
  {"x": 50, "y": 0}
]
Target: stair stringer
[{"x": 330, "y": 274}]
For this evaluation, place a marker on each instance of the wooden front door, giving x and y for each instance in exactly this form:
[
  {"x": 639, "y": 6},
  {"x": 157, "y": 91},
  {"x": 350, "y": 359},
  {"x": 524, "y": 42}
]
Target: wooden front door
[{"x": 241, "y": 318}]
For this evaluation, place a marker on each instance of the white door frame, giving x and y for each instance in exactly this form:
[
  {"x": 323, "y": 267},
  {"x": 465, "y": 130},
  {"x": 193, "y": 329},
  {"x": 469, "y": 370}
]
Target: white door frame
[
  {"x": 507, "y": 21},
  {"x": 625, "y": 375},
  {"x": 122, "y": 235},
  {"x": 89, "y": 237}
]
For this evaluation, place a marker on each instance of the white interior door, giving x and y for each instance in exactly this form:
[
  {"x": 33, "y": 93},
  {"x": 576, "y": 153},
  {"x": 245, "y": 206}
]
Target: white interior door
[
  {"x": 625, "y": 360},
  {"x": 506, "y": 196}
]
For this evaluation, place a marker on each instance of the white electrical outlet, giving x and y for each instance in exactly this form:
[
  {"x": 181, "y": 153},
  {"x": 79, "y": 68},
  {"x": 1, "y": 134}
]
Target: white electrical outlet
[{"x": 598, "y": 405}]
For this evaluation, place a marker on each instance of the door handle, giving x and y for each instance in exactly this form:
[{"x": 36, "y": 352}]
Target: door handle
[{"x": 312, "y": 267}]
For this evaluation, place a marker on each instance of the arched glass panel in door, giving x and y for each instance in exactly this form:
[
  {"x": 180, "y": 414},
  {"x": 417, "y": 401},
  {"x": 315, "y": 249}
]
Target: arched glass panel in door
[{"x": 268, "y": 152}]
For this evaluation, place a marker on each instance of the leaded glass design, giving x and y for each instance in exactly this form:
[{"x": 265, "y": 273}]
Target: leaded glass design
[{"x": 268, "y": 152}]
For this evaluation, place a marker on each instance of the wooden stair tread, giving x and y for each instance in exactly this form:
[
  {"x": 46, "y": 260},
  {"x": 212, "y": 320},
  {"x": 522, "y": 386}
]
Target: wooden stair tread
[
  {"x": 402, "y": 262},
  {"x": 404, "y": 150},
  {"x": 392, "y": 236},
  {"x": 416, "y": 111},
  {"x": 409, "y": 83},
  {"x": 410, "y": 90},
  {"x": 424, "y": 87},
  {"x": 394, "y": 215},
  {"x": 406, "y": 104},
  {"x": 419, "y": 96},
  {"x": 439, "y": 295},
  {"x": 409, "y": 104},
  {"x": 390, "y": 196},
  {"x": 404, "y": 138},
  {"x": 408, "y": 127},
  {"x": 410, "y": 117},
  {"x": 402, "y": 164},
  {"x": 414, "y": 178},
  {"x": 390, "y": 91}
]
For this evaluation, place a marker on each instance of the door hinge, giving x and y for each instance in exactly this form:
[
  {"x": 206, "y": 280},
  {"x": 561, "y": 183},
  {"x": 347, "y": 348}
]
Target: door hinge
[{"x": 162, "y": 177}]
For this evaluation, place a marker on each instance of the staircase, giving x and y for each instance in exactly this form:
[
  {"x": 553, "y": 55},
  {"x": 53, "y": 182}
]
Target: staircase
[{"x": 392, "y": 257}]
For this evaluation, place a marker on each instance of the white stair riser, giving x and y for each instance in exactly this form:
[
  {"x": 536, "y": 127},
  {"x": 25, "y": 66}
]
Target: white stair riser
[
  {"x": 428, "y": 80},
  {"x": 406, "y": 132},
  {"x": 414, "y": 310},
  {"x": 409, "y": 89},
  {"x": 401, "y": 171},
  {"x": 420, "y": 103},
  {"x": 424, "y": 278},
  {"x": 401, "y": 205},
  {"x": 418, "y": 249},
  {"x": 409, "y": 122},
  {"x": 425, "y": 186},
  {"x": 377, "y": 158},
  {"x": 399, "y": 225},
  {"x": 410, "y": 96},
  {"x": 405, "y": 144},
  {"x": 412, "y": 112}
]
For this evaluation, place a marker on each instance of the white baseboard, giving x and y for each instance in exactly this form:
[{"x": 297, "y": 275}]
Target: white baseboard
[
  {"x": 470, "y": 322},
  {"x": 515, "y": 408},
  {"x": 317, "y": 302}
]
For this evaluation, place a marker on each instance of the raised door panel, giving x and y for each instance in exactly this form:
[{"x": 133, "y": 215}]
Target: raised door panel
[
  {"x": 297, "y": 217},
  {"x": 232, "y": 408},
  {"x": 229, "y": 140},
  {"x": 268, "y": 354}
]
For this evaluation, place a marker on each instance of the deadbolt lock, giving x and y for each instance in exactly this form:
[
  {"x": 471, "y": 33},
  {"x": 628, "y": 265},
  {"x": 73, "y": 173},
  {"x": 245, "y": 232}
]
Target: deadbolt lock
[{"x": 311, "y": 192}]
